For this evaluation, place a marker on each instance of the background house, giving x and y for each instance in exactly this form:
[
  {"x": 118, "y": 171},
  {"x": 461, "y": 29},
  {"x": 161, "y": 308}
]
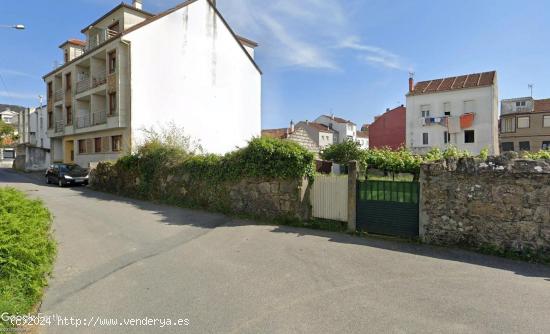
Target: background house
[
  {"x": 297, "y": 134},
  {"x": 33, "y": 149},
  {"x": 321, "y": 134},
  {"x": 525, "y": 124},
  {"x": 460, "y": 111},
  {"x": 388, "y": 129},
  {"x": 362, "y": 137},
  {"x": 344, "y": 129}
]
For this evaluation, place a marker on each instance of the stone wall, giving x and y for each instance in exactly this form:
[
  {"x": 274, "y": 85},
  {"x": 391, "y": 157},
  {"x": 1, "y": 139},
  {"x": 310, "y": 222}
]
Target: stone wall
[
  {"x": 261, "y": 198},
  {"x": 502, "y": 203}
]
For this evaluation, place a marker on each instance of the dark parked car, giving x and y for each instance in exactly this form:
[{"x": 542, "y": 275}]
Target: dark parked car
[{"x": 67, "y": 174}]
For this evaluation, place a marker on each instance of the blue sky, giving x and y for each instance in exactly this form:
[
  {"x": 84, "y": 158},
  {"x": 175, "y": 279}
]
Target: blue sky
[{"x": 350, "y": 57}]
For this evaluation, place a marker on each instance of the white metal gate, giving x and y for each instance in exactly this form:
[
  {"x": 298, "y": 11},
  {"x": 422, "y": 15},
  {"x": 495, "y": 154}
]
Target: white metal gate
[{"x": 329, "y": 197}]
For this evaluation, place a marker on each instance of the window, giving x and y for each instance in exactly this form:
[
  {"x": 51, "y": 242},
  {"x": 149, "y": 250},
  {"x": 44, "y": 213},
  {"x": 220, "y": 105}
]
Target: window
[
  {"x": 41, "y": 142},
  {"x": 546, "y": 122},
  {"x": 469, "y": 107},
  {"x": 112, "y": 62},
  {"x": 524, "y": 146},
  {"x": 447, "y": 108},
  {"x": 50, "y": 120},
  {"x": 446, "y": 137},
  {"x": 97, "y": 145},
  {"x": 469, "y": 136},
  {"x": 507, "y": 125},
  {"x": 66, "y": 55},
  {"x": 82, "y": 146},
  {"x": 112, "y": 103},
  {"x": 50, "y": 91},
  {"x": 507, "y": 146},
  {"x": 520, "y": 104},
  {"x": 425, "y": 110},
  {"x": 523, "y": 122},
  {"x": 68, "y": 82},
  {"x": 546, "y": 145},
  {"x": 69, "y": 112},
  {"x": 116, "y": 143},
  {"x": 425, "y": 138}
]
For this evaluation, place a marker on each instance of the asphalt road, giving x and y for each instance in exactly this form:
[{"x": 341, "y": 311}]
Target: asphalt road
[{"x": 121, "y": 258}]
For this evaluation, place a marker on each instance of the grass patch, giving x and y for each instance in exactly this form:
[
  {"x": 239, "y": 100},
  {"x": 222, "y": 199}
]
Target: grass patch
[{"x": 27, "y": 252}]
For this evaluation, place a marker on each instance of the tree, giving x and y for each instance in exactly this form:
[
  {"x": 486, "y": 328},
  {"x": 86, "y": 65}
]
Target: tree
[
  {"x": 343, "y": 153},
  {"x": 6, "y": 132}
]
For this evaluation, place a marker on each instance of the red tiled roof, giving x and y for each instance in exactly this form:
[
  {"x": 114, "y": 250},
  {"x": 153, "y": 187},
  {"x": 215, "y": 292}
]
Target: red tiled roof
[
  {"x": 73, "y": 41},
  {"x": 339, "y": 119},
  {"x": 318, "y": 127},
  {"x": 275, "y": 133},
  {"x": 454, "y": 83},
  {"x": 542, "y": 105}
]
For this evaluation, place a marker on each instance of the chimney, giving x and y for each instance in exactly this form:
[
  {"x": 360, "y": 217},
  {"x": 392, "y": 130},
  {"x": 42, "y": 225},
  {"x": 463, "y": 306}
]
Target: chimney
[
  {"x": 138, "y": 4},
  {"x": 411, "y": 82},
  {"x": 291, "y": 126}
]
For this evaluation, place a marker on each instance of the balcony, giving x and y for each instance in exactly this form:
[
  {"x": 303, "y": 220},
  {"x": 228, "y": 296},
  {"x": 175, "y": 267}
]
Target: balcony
[
  {"x": 99, "y": 36},
  {"x": 97, "y": 118},
  {"x": 58, "y": 96},
  {"x": 82, "y": 85},
  {"x": 83, "y": 122},
  {"x": 99, "y": 80}
]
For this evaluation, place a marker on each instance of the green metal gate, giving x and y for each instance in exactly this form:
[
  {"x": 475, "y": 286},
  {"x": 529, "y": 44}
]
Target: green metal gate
[{"x": 388, "y": 207}]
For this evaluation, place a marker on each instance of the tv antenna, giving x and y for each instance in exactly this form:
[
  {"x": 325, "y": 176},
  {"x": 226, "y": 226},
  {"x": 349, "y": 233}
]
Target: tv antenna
[{"x": 530, "y": 86}]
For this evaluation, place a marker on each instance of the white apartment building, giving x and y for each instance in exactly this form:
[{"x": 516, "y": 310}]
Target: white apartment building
[
  {"x": 345, "y": 130},
  {"x": 461, "y": 111},
  {"x": 137, "y": 70}
]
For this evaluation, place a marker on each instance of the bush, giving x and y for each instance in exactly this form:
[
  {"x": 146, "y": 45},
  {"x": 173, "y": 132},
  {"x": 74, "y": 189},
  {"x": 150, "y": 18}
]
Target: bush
[
  {"x": 27, "y": 252},
  {"x": 540, "y": 155},
  {"x": 343, "y": 153}
]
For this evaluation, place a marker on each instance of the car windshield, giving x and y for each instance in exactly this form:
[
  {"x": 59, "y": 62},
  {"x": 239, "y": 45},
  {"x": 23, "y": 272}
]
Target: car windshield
[{"x": 70, "y": 168}]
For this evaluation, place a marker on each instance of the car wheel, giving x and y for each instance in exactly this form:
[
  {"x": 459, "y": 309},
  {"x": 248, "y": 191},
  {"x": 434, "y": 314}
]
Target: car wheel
[{"x": 60, "y": 183}]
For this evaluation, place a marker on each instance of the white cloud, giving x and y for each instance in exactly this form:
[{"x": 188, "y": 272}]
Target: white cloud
[{"x": 373, "y": 54}]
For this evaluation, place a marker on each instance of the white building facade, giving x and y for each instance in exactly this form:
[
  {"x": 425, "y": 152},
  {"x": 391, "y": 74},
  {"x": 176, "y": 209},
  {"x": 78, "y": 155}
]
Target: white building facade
[
  {"x": 345, "y": 129},
  {"x": 456, "y": 111},
  {"x": 33, "y": 149},
  {"x": 137, "y": 70}
]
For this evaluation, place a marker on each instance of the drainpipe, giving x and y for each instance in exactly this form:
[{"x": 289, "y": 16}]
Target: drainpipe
[{"x": 129, "y": 94}]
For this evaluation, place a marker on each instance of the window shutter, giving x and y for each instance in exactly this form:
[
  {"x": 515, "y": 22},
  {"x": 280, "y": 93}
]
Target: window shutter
[{"x": 105, "y": 147}]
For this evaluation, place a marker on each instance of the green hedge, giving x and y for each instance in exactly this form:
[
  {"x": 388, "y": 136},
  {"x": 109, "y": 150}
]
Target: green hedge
[
  {"x": 262, "y": 158},
  {"x": 27, "y": 252}
]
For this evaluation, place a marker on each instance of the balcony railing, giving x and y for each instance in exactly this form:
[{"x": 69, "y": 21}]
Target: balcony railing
[
  {"x": 59, "y": 126},
  {"x": 99, "y": 36},
  {"x": 83, "y": 85},
  {"x": 58, "y": 96},
  {"x": 99, "y": 80},
  {"x": 96, "y": 118},
  {"x": 99, "y": 117},
  {"x": 83, "y": 122}
]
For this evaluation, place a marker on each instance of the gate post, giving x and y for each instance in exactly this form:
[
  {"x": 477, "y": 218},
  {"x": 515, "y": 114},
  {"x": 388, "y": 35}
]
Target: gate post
[{"x": 352, "y": 195}]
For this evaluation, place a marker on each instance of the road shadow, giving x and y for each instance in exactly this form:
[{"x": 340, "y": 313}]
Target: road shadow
[
  {"x": 172, "y": 215},
  {"x": 443, "y": 253}
]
